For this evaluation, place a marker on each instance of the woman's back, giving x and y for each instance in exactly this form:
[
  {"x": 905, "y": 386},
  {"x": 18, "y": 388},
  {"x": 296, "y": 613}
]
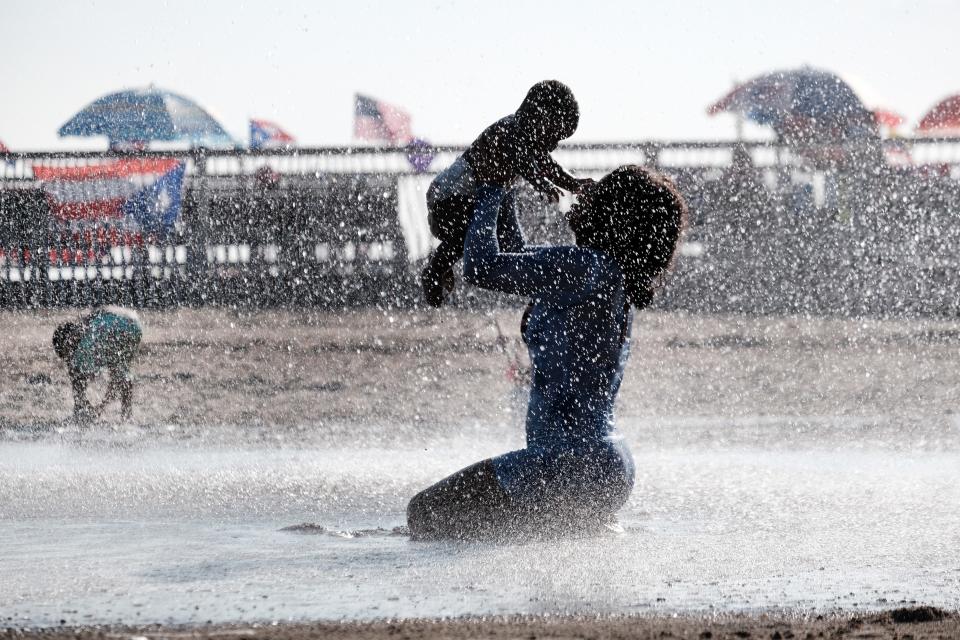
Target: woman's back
[
  {"x": 577, "y": 337},
  {"x": 578, "y": 347}
]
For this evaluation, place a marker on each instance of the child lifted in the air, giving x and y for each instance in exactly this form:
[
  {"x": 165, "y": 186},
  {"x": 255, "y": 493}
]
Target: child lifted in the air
[{"x": 517, "y": 146}]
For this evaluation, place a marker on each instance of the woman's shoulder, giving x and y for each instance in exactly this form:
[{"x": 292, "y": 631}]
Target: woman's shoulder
[
  {"x": 595, "y": 272},
  {"x": 607, "y": 278},
  {"x": 597, "y": 262},
  {"x": 603, "y": 267},
  {"x": 571, "y": 260}
]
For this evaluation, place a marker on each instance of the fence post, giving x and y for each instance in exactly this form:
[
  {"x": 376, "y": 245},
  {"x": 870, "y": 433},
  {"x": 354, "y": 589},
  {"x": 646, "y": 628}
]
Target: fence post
[{"x": 197, "y": 267}]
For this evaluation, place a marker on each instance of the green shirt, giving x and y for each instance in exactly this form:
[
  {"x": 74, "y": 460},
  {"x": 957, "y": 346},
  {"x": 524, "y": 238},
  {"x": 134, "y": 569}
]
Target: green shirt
[{"x": 110, "y": 340}]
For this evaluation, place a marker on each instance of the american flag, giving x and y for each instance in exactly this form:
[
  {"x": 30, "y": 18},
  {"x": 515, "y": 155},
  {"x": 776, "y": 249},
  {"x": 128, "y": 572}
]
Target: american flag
[
  {"x": 141, "y": 194},
  {"x": 377, "y": 120}
]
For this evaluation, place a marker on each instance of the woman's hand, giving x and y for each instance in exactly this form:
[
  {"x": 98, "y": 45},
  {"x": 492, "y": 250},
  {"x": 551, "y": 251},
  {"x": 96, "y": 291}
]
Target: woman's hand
[
  {"x": 551, "y": 193},
  {"x": 582, "y": 198},
  {"x": 584, "y": 184},
  {"x": 546, "y": 189}
]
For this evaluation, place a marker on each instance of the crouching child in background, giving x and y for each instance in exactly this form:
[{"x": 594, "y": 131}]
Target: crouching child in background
[{"x": 108, "y": 338}]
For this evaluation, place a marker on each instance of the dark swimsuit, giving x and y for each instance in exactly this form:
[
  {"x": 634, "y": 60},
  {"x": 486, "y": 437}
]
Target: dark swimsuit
[{"x": 578, "y": 338}]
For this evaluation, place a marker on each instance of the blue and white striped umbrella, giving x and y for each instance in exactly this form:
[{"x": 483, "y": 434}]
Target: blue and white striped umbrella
[{"x": 142, "y": 115}]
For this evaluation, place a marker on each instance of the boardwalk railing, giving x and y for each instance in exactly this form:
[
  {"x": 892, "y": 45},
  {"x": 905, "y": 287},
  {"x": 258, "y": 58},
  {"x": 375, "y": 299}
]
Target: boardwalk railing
[{"x": 347, "y": 226}]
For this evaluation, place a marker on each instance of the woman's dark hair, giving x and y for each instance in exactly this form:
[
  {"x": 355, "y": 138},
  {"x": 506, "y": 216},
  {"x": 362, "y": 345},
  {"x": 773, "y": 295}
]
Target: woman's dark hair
[
  {"x": 66, "y": 337},
  {"x": 550, "y": 106},
  {"x": 636, "y": 216}
]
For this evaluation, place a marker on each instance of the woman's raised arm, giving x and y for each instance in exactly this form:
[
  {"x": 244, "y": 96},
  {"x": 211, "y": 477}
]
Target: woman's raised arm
[{"x": 558, "y": 270}]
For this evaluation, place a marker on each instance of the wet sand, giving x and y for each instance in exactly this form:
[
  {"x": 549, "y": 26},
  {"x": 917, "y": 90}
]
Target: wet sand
[
  {"x": 306, "y": 377},
  {"x": 309, "y": 372},
  {"x": 919, "y": 623}
]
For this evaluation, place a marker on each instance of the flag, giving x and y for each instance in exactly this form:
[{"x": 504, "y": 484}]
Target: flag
[
  {"x": 265, "y": 135},
  {"x": 376, "y": 120},
  {"x": 5, "y": 150},
  {"x": 137, "y": 194}
]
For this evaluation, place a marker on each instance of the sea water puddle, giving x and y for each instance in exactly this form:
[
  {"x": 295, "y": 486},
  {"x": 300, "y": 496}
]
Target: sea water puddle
[{"x": 166, "y": 533}]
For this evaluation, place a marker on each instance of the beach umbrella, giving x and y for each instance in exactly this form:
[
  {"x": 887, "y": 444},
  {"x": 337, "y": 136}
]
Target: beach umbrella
[
  {"x": 143, "y": 115},
  {"x": 803, "y": 105},
  {"x": 888, "y": 118},
  {"x": 943, "y": 119}
]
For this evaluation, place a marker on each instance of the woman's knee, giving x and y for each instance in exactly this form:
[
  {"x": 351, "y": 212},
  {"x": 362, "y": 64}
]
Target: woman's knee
[
  {"x": 459, "y": 505},
  {"x": 415, "y": 509},
  {"x": 422, "y": 509}
]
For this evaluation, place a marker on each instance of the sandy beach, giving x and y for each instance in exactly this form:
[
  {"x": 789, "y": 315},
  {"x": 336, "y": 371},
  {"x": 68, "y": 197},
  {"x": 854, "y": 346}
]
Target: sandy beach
[
  {"x": 314, "y": 371},
  {"x": 917, "y": 623},
  {"x": 710, "y": 396}
]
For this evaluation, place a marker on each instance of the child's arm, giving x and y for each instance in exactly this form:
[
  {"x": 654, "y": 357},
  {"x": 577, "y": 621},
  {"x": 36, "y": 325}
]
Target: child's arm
[
  {"x": 83, "y": 412},
  {"x": 533, "y": 175},
  {"x": 552, "y": 171}
]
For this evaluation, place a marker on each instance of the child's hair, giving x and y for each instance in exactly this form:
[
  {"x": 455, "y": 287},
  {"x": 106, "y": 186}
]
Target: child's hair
[
  {"x": 638, "y": 216},
  {"x": 551, "y": 108},
  {"x": 66, "y": 337}
]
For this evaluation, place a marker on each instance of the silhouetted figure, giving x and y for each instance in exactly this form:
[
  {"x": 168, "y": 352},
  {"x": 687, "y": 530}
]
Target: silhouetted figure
[
  {"x": 739, "y": 198},
  {"x": 576, "y": 471},
  {"x": 514, "y": 147},
  {"x": 737, "y": 204}
]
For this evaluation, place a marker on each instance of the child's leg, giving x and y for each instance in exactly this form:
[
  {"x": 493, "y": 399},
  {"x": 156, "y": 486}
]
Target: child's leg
[
  {"x": 437, "y": 277},
  {"x": 82, "y": 409},
  {"x": 449, "y": 220},
  {"x": 122, "y": 347},
  {"x": 121, "y": 386}
]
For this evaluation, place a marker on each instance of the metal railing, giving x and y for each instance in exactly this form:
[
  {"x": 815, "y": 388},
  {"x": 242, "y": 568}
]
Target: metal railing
[{"x": 339, "y": 225}]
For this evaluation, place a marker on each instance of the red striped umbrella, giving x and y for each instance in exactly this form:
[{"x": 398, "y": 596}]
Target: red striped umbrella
[{"x": 943, "y": 119}]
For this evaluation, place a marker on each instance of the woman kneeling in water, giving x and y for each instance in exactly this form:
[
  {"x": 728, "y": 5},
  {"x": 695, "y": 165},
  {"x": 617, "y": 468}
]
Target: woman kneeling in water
[{"x": 576, "y": 471}]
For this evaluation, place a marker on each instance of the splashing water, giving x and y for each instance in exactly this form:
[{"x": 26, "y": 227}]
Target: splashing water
[{"x": 775, "y": 516}]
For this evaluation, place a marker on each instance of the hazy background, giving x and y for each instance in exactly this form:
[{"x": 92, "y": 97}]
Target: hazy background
[{"x": 640, "y": 70}]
